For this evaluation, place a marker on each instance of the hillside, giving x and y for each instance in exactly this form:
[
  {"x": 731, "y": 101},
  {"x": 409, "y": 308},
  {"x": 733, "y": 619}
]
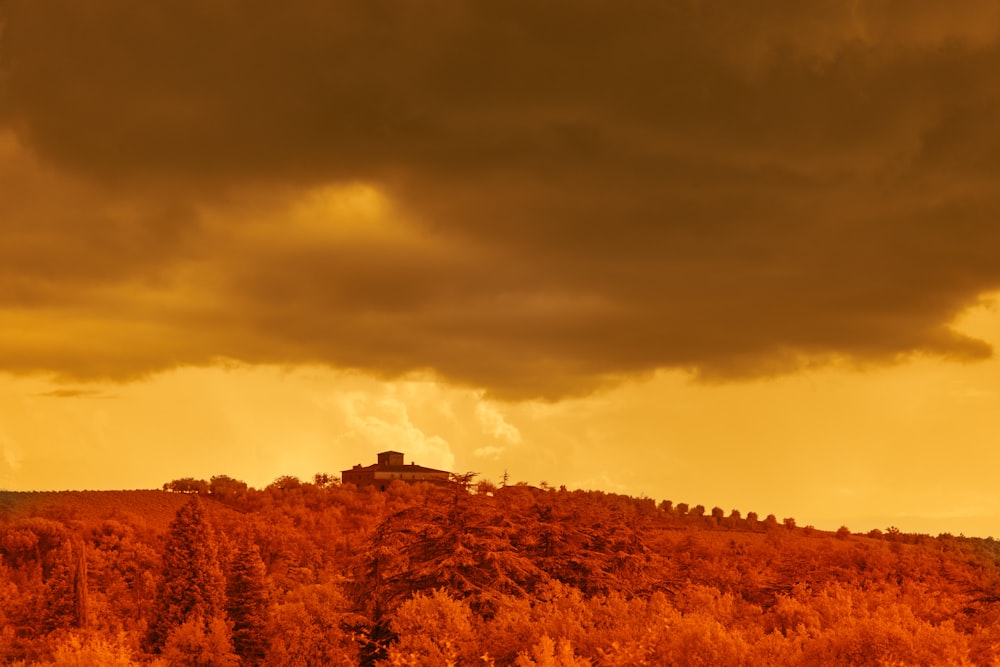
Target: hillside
[
  {"x": 474, "y": 575},
  {"x": 153, "y": 508}
]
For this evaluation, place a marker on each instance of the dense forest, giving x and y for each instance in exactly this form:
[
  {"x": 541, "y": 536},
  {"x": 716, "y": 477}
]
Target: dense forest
[{"x": 466, "y": 573}]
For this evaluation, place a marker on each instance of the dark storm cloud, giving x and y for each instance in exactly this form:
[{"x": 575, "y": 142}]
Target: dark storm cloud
[{"x": 580, "y": 191}]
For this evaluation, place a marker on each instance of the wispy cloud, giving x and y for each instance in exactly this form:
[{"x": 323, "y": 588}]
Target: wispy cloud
[
  {"x": 383, "y": 423},
  {"x": 75, "y": 393}
]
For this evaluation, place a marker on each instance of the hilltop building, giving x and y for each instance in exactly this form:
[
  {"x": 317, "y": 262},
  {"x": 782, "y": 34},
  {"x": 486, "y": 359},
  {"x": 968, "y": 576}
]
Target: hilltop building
[{"x": 390, "y": 466}]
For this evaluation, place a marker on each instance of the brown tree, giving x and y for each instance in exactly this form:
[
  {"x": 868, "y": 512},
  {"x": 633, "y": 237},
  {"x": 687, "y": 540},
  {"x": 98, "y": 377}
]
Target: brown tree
[
  {"x": 248, "y": 594},
  {"x": 192, "y": 583}
]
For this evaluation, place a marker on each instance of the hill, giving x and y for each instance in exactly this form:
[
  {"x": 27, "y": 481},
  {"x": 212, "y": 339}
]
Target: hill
[
  {"x": 153, "y": 508},
  {"x": 474, "y": 574}
]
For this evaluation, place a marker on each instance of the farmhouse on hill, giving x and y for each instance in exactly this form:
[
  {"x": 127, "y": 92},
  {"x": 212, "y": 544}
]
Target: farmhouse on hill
[{"x": 390, "y": 467}]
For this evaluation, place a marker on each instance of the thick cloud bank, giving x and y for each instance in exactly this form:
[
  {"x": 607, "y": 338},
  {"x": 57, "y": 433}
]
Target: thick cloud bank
[{"x": 535, "y": 198}]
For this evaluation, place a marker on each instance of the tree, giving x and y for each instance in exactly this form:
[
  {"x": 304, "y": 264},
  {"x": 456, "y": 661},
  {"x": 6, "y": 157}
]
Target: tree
[
  {"x": 461, "y": 484},
  {"x": 187, "y": 485},
  {"x": 86, "y": 650},
  {"x": 80, "y": 590},
  {"x": 285, "y": 483},
  {"x": 457, "y": 541},
  {"x": 225, "y": 488},
  {"x": 248, "y": 602},
  {"x": 313, "y": 625},
  {"x": 324, "y": 480},
  {"x": 547, "y": 653},
  {"x": 192, "y": 584},
  {"x": 122, "y": 572},
  {"x": 200, "y": 642},
  {"x": 433, "y": 629},
  {"x": 59, "y": 608}
]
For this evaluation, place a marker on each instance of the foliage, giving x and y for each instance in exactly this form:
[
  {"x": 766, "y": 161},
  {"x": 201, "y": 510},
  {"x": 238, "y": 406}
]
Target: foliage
[
  {"x": 432, "y": 630},
  {"x": 187, "y": 485},
  {"x": 311, "y": 626},
  {"x": 317, "y": 573},
  {"x": 80, "y": 650},
  {"x": 200, "y": 642},
  {"x": 248, "y": 602},
  {"x": 193, "y": 584}
]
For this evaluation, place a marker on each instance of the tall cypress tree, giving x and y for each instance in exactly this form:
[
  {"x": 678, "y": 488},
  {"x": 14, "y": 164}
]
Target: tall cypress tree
[
  {"x": 193, "y": 584},
  {"x": 248, "y": 602},
  {"x": 58, "y": 608},
  {"x": 80, "y": 586}
]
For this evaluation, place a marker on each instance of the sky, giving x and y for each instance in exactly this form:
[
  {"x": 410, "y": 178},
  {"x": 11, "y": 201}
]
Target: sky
[{"x": 733, "y": 254}]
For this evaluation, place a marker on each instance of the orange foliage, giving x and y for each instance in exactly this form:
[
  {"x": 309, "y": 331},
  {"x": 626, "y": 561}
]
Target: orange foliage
[{"x": 319, "y": 573}]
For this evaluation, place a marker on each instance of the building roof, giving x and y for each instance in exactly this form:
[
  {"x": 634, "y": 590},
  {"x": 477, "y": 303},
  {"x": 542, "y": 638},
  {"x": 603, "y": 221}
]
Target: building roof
[{"x": 408, "y": 467}]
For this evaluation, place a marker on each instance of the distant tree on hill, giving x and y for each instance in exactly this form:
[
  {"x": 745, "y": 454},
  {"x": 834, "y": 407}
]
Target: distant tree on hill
[
  {"x": 187, "y": 485},
  {"x": 463, "y": 481},
  {"x": 485, "y": 487},
  {"x": 324, "y": 480},
  {"x": 285, "y": 483},
  {"x": 225, "y": 488}
]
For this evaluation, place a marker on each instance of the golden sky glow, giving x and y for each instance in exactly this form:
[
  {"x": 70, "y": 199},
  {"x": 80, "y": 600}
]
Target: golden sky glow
[{"x": 722, "y": 254}]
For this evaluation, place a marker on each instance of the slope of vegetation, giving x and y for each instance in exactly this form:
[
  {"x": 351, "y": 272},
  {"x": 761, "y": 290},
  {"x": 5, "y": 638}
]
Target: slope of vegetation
[
  {"x": 153, "y": 508},
  {"x": 216, "y": 573}
]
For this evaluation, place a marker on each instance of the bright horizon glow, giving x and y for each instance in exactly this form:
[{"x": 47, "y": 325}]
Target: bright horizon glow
[{"x": 868, "y": 449}]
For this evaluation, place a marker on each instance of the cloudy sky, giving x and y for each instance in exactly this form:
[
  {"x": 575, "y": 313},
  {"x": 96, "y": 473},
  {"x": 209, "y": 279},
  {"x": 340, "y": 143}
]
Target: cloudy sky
[{"x": 734, "y": 255}]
